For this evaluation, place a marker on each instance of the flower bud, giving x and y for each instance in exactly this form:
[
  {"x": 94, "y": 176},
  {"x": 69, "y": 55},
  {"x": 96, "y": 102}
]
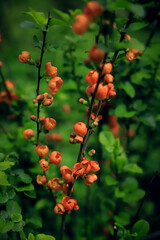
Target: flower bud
[
  {"x": 95, "y": 54},
  {"x": 80, "y": 128},
  {"x": 51, "y": 70},
  {"x": 49, "y": 123},
  {"x": 33, "y": 117},
  {"x": 90, "y": 178},
  {"x": 55, "y": 157},
  {"x": 79, "y": 139},
  {"x": 42, "y": 150},
  {"x": 28, "y": 133},
  {"x": 41, "y": 179},
  {"x": 44, "y": 164},
  {"x": 82, "y": 101},
  {"x": 92, "y": 77},
  {"x": 24, "y": 57}
]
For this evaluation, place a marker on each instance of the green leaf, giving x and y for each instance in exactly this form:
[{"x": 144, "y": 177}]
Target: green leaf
[
  {"x": 136, "y": 195},
  {"x": 31, "y": 194},
  {"x": 137, "y": 9},
  {"x": 36, "y": 221},
  {"x": 23, "y": 177},
  {"x": 11, "y": 194},
  {"x": 27, "y": 24},
  {"x": 148, "y": 120},
  {"x": 132, "y": 167},
  {"x": 121, "y": 111},
  {"x": 16, "y": 217},
  {"x": 13, "y": 207},
  {"x": 63, "y": 15},
  {"x": 139, "y": 105},
  {"x": 5, "y": 165},
  {"x": 29, "y": 187},
  {"x": 129, "y": 89},
  {"x": 38, "y": 43},
  {"x": 106, "y": 138},
  {"x": 137, "y": 26},
  {"x": 110, "y": 181},
  {"x": 5, "y": 226},
  {"x": 141, "y": 228},
  {"x": 31, "y": 236},
  {"x": 44, "y": 237},
  {"x": 18, "y": 226},
  {"x": 55, "y": 21},
  {"x": 2, "y": 156},
  {"x": 3, "y": 197},
  {"x": 38, "y": 17},
  {"x": 3, "y": 179}
]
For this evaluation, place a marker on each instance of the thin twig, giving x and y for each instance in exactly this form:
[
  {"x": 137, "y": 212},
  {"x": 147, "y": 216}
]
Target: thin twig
[
  {"x": 142, "y": 201},
  {"x": 115, "y": 232}
]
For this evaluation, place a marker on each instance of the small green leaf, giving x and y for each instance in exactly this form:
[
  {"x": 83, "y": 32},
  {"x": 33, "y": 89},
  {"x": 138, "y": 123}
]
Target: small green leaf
[
  {"x": 39, "y": 18},
  {"x": 141, "y": 228},
  {"x": 110, "y": 181},
  {"x": 23, "y": 177},
  {"x": 16, "y": 217},
  {"x": 31, "y": 236},
  {"x": 11, "y": 194},
  {"x": 13, "y": 207},
  {"x": 148, "y": 120},
  {"x": 29, "y": 187},
  {"x": 137, "y": 9},
  {"x": 63, "y": 15},
  {"x": 18, "y": 226},
  {"x": 3, "y": 179},
  {"x": 27, "y": 24},
  {"x": 137, "y": 26},
  {"x": 44, "y": 237},
  {"x": 55, "y": 21},
  {"x": 5, "y": 226},
  {"x": 5, "y": 165},
  {"x": 31, "y": 194},
  {"x": 106, "y": 138},
  {"x": 2, "y": 156},
  {"x": 139, "y": 105},
  {"x": 132, "y": 167},
  {"x": 3, "y": 197},
  {"x": 121, "y": 111},
  {"x": 129, "y": 89}
]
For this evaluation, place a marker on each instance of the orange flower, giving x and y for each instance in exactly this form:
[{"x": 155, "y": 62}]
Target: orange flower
[
  {"x": 102, "y": 92},
  {"x": 42, "y": 150},
  {"x": 112, "y": 91},
  {"x": 41, "y": 179},
  {"x": 24, "y": 57},
  {"x": 92, "y": 77},
  {"x": 49, "y": 123},
  {"x": 90, "y": 178},
  {"x": 48, "y": 100},
  {"x": 80, "y": 128},
  {"x": 44, "y": 164},
  {"x": 9, "y": 84},
  {"x": 28, "y": 133},
  {"x": 94, "y": 166},
  {"x": 67, "y": 175},
  {"x": 107, "y": 68},
  {"x": 54, "y": 85},
  {"x": 81, "y": 168},
  {"x": 79, "y": 139},
  {"x": 81, "y": 24},
  {"x": 132, "y": 54},
  {"x": 92, "y": 10},
  {"x": 95, "y": 54},
  {"x": 127, "y": 37},
  {"x": 59, "y": 208},
  {"x": 33, "y": 117},
  {"x": 108, "y": 78},
  {"x": 54, "y": 184},
  {"x": 55, "y": 157},
  {"x": 51, "y": 70},
  {"x": 69, "y": 203},
  {"x": 65, "y": 188}
]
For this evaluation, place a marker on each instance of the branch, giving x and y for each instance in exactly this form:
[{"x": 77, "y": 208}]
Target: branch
[{"x": 142, "y": 201}]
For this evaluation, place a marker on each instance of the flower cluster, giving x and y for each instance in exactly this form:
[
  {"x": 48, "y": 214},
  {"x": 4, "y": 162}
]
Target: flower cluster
[
  {"x": 85, "y": 169},
  {"x": 90, "y": 13},
  {"x": 67, "y": 204},
  {"x": 106, "y": 88},
  {"x": 81, "y": 130},
  {"x": 10, "y": 95}
]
